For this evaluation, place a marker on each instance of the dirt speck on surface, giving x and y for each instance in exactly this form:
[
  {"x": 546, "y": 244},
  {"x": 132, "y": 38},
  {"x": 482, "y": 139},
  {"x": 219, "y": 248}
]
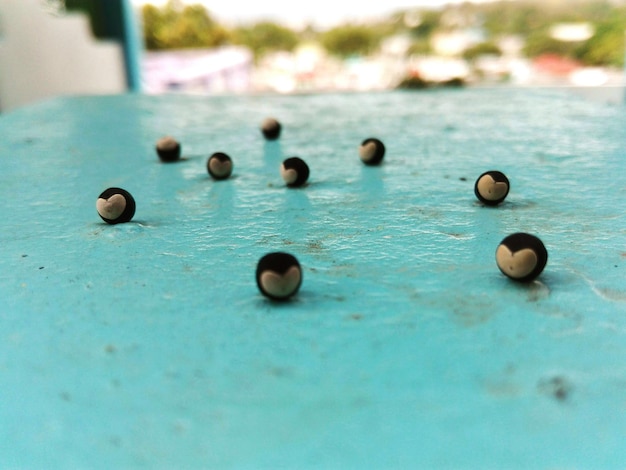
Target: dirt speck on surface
[{"x": 557, "y": 387}]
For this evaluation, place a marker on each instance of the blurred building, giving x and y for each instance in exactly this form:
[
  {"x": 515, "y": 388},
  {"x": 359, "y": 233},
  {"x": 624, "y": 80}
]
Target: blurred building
[
  {"x": 220, "y": 70},
  {"x": 454, "y": 43},
  {"x": 439, "y": 69},
  {"x": 572, "y": 32}
]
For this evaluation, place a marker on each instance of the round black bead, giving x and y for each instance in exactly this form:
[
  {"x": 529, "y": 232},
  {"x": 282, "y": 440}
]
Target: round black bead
[
  {"x": 271, "y": 129},
  {"x": 521, "y": 256},
  {"x": 367, "y": 156},
  {"x": 109, "y": 203},
  {"x": 297, "y": 165},
  {"x": 492, "y": 187},
  {"x": 278, "y": 275},
  {"x": 168, "y": 149},
  {"x": 219, "y": 165}
]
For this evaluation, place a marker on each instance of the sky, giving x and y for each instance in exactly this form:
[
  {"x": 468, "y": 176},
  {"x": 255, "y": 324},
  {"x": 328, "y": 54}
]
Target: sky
[{"x": 322, "y": 13}]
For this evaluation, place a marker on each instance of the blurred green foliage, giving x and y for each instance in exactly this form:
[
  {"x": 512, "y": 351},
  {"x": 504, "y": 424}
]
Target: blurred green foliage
[
  {"x": 532, "y": 19},
  {"x": 351, "y": 40},
  {"x": 419, "y": 47},
  {"x": 264, "y": 37},
  {"x": 607, "y": 45},
  {"x": 540, "y": 42},
  {"x": 177, "y": 26},
  {"x": 424, "y": 24},
  {"x": 483, "y": 48}
]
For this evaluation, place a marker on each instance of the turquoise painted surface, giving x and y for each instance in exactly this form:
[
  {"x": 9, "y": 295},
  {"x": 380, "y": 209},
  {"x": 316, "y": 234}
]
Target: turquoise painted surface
[{"x": 148, "y": 344}]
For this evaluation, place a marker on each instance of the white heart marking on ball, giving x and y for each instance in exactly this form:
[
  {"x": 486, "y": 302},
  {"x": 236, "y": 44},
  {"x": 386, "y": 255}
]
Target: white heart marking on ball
[
  {"x": 220, "y": 168},
  {"x": 289, "y": 176},
  {"x": 112, "y": 207},
  {"x": 269, "y": 124},
  {"x": 490, "y": 189},
  {"x": 279, "y": 285},
  {"x": 367, "y": 151},
  {"x": 516, "y": 265},
  {"x": 167, "y": 143}
]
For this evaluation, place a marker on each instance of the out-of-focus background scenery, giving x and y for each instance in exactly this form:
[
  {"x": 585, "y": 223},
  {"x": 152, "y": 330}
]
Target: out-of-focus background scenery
[{"x": 210, "y": 47}]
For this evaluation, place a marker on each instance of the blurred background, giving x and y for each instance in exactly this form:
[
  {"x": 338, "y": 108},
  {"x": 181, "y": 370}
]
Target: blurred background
[{"x": 52, "y": 47}]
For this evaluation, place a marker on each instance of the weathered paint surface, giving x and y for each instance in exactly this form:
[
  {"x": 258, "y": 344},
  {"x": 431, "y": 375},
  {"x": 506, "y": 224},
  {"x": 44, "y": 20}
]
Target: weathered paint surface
[{"x": 148, "y": 343}]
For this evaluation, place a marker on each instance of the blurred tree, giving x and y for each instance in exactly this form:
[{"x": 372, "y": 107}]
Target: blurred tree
[
  {"x": 522, "y": 17},
  {"x": 594, "y": 11},
  {"x": 152, "y": 25},
  {"x": 266, "y": 37},
  {"x": 483, "y": 48},
  {"x": 605, "y": 48},
  {"x": 424, "y": 23},
  {"x": 419, "y": 47},
  {"x": 349, "y": 40},
  {"x": 194, "y": 27},
  {"x": 541, "y": 42},
  {"x": 607, "y": 45},
  {"x": 177, "y": 27}
]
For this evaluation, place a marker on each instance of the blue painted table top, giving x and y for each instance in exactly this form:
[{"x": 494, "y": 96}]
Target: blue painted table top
[{"x": 148, "y": 343}]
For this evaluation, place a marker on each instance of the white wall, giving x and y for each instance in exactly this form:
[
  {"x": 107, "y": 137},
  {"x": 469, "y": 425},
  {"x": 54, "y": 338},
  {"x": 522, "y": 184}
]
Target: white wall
[{"x": 42, "y": 56}]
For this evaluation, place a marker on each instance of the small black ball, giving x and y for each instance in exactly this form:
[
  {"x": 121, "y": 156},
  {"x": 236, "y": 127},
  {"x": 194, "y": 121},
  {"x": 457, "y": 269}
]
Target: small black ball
[
  {"x": 492, "y": 187},
  {"x": 278, "y": 275},
  {"x": 115, "y": 206},
  {"x": 521, "y": 257},
  {"x": 372, "y": 151},
  {"x": 168, "y": 149},
  {"x": 220, "y": 166},
  {"x": 271, "y": 128},
  {"x": 294, "y": 171}
]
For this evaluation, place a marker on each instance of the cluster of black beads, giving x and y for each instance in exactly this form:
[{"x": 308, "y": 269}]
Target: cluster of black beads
[{"x": 278, "y": 274}]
